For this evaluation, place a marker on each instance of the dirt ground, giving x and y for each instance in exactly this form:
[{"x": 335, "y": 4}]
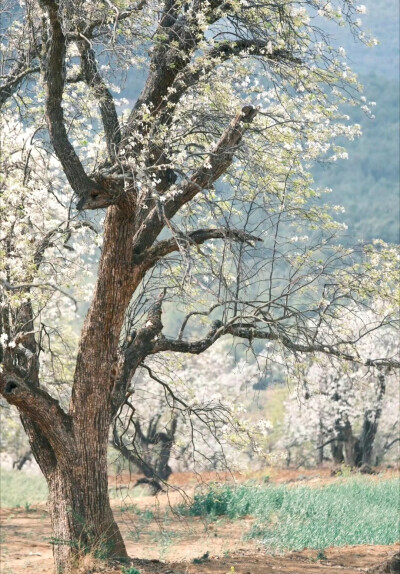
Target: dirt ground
[{"x": 166, "y": 544}]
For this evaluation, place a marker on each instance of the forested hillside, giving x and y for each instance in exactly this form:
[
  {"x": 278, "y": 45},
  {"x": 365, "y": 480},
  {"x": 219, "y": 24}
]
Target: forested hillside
[{"x": 367, "y": 184}]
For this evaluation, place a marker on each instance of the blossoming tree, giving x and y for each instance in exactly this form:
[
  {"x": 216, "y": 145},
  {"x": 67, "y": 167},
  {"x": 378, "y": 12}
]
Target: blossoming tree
[
  {"x": 209, "y": 208},
  {"x": 349, "y": 409},
  {"x": 191, "y": 414}
]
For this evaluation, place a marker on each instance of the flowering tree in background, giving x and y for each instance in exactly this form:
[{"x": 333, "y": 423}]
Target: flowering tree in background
[
  {"x": 191, "y": 414},
  {"x": 210, "y": 210},
  {"x": 349, "y": 410}
]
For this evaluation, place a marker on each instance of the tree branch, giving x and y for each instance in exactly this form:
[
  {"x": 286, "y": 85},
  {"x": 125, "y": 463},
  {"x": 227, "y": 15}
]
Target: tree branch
[
  {"x": 389, "y": 445},
  {"x": 250, "y": 332},
  {"x": 192, "y": 72},
  {"x": 39, "y": 407},
  {"x": 108, "y": 112},
  {"x": 91, "y": 194},
  {"x": 137, "y": 347},
  {"x": 220, "y": 158},
  {"x": 198, "y": 237},
  {"x": 89, "y": 30},
  {"x": 17, "y": 75},
  {"x": 218, "y": 54},
  {"x": 166, "y": 387}
]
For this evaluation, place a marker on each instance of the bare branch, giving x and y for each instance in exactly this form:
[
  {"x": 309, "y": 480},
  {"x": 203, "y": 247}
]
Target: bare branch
[
  {"x": 387, "y": 446},
  {"x": 198, "y": 237},
  {"x": 250, "y": 332},
  {"x": 53, "y": 64},
  {"x": 17, "y": 75}
]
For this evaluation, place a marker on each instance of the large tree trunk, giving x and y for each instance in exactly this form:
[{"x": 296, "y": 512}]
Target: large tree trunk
[
  {"x": 84, "y": 515},
  {"x": 81, "y": 515},
  {"x": 71, "y": 448}
]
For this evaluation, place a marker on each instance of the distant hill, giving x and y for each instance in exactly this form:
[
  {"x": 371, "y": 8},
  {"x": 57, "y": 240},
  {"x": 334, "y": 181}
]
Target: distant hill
[{"x": 367, "y": 184}]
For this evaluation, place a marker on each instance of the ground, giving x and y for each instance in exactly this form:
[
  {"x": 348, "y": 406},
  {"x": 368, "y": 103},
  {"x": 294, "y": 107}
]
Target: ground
[{"x": 163, "y": 543}]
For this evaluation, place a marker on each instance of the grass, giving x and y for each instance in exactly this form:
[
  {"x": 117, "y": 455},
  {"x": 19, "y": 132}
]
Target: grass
[
  {"x": 20, "y": 490},
  {"x": 349, "y": 512}
]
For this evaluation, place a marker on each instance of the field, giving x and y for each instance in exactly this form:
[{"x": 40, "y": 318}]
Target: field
[{"x": 292, "y": 522}]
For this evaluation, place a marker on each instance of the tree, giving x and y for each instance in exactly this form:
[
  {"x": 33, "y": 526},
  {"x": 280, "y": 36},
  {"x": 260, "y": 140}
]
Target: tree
[
  {"x": 350, "y": 410},
  {"x": 210, "y": 210},
  {"x": 191, "y": 413}
]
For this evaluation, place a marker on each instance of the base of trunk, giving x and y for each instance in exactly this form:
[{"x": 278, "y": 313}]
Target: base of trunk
[
  {"x": 392, "y": 566},
  {"x": 82, "y": 521}
]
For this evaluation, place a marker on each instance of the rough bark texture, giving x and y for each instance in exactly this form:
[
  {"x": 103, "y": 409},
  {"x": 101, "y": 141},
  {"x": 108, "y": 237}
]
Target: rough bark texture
[{"x": 81, "y": 516}]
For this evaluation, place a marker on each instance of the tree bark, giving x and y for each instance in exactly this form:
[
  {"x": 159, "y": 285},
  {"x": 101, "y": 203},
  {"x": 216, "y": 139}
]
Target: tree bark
[
  {"x": 76, "y": 474},
  {"x": 337, "y": 451},
  {"x": 85, "y": 488},
  {"x": 371, "y": 421},
  {"x": 351, "y": 447},
  {"x": 81, "y": 514}
]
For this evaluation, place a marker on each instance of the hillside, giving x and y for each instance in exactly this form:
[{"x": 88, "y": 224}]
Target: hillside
[{"x": 367, "y": 184}]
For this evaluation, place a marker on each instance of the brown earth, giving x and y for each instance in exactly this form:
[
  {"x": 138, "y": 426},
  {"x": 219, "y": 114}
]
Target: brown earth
[{"x": 166, "y": 544}]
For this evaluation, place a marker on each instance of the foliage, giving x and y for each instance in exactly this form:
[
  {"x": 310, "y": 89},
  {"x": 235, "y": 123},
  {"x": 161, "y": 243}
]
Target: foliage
[
  {"x": 345, "y": 412},
  {"x": 349, "y": 512},
  {"x": 209, "y": 402},
  {"x": 211, "y": 209}
]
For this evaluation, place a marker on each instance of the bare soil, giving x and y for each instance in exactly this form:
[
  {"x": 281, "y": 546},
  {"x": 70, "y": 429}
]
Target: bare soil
[{"x": 166, "y": 544}]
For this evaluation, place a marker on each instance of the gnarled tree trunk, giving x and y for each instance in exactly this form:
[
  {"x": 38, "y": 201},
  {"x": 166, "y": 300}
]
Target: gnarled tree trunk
[
  {"x": 71, "y": 448},
  {"x": 149, "y": 451},
  {"x": 81, "y": 515},
  {"x": 79, "y": 506}
]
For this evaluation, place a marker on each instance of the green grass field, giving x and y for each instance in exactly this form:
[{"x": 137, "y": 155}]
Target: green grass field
[
  {"x": 18, "y": 489},
  {"x": 349, "y": 512}
]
